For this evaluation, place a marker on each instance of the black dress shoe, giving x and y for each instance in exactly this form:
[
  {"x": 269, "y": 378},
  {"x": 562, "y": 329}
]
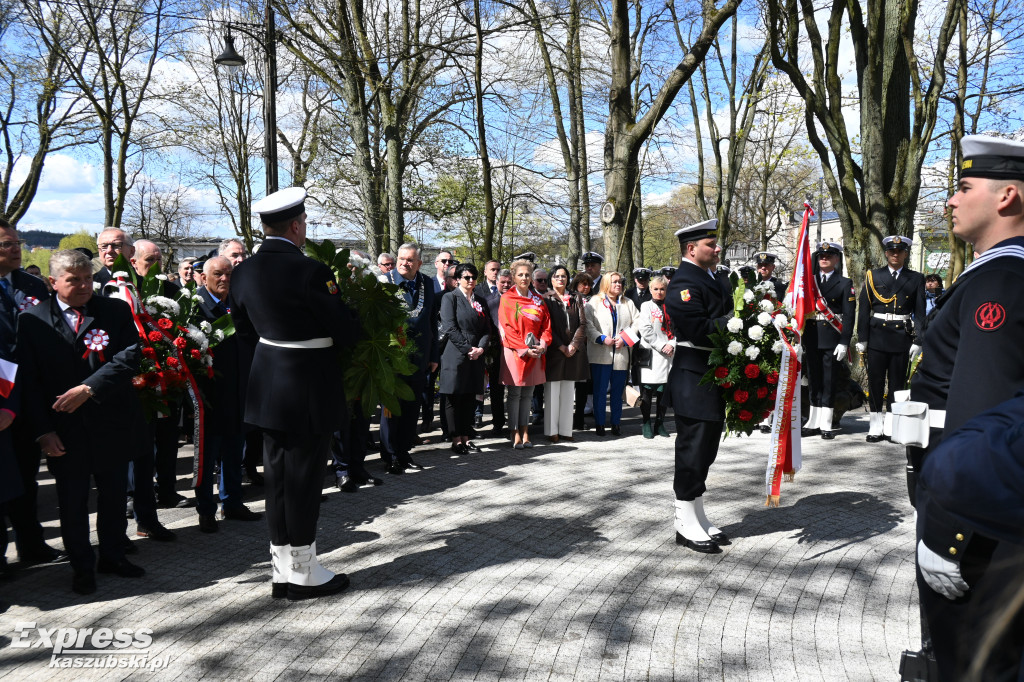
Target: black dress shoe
[
  {"x": 347, "y": 484},
  {"x": 84, "y": 582},
  {"x": 208, "y": 523},
  {"x": 175, "y": 501},
  {"x": 123, "y": 568},
  {"x": 240, "y": 513},
  {"x": 459, "y": 449},
  {"x": 278, "y": 590},
  {"x": 155, "y": 531},
  {"x": 395, "y": 469},
  {"x": 410, "y": 464},
  {"x": 875, "y": 439},
  {"x": 720, "y": 539},
  {"x": 336, "y": 584},
  {"x": 765, "y": 428},
  {"x": 805, "y": 432},
  {"x": 702, "y": 546},
  {"x": 599, "y": 429},
  {"x": 471, "y": 446},
  {"x": 616, "y": 431},
  {"x": 828, "y": 435},
  {"x": 41, "y": 554},
  {"x": 372, "y": 480}
]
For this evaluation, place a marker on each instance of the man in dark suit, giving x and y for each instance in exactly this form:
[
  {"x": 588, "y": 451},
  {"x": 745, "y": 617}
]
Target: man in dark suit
[
  {"x": 825, "y": 347},
  {"x": 20, "y": 291},
  {"x": 79, "y": 353},
  {"x": 223, "y": 405},
  {"x": 439, "y": 285},
  {"x": 889, "y": 322},
  {"x": 489, "y": 283},
  {"x": 111, "y": 243},
  {"x": 295, "y": 393},
  {"x": 397, "y": 431},
  {"x": 699, "y": 302},
  {"x": 496, "y": 356}
]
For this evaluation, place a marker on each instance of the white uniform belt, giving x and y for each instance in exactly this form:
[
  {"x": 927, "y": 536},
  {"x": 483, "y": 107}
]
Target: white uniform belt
[
  {"x": 890, "y": 317},
  {"x": 936, "y": 418},
  {"x": 688, "y": 344},
  {"x": 324, "y": 342}
]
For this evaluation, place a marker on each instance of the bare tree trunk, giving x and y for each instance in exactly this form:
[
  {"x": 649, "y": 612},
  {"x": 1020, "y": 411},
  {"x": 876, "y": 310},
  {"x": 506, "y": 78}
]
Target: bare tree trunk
[{"x": 481, "y": 131}]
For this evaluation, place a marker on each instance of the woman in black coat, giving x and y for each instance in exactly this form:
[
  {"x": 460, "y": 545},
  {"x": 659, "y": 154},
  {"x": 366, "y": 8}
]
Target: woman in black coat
[
  {"x": 466, "y": 329},
  {"x": 567, "y": 361}
]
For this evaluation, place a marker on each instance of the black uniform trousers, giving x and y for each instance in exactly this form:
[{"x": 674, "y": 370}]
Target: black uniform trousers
[
  {"x": 696, "y": 449},
  {"x": 293, "y": 469},
  {"x": 348, "y": 447},
  {"x": 883, "y": 365},
  {"x": 822, "y": 376},
  {"x": 71, "y": 473}
]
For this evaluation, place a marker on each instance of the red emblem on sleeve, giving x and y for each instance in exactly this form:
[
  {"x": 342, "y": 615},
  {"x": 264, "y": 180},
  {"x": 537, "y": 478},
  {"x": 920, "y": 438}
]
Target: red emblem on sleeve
[{"x": 989, "y": 316}]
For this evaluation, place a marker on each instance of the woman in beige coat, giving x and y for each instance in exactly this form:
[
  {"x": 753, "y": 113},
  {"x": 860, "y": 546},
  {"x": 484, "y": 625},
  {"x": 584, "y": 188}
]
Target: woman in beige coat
[{"x": 611, "y": 329}]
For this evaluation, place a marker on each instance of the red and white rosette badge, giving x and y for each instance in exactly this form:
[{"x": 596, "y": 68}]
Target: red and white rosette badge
[
  {"x": 29, "y": 302},
  {"x": 95, "y": 341},
  {"x": 478, "y": 308}
]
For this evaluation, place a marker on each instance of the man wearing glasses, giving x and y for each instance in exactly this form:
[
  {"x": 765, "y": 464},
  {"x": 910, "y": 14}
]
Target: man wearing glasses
[
  {"x": 18, "y": 291},
  {"x": 442, "y": 263},
  {"x": 111, "y": 242}
]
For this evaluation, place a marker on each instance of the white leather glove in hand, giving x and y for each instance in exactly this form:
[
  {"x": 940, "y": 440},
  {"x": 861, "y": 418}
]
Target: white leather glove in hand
[
  {"x": 861, "y": 347},
  {"x": 840, "y": 351},
  {"x": 941, "y": 574},
  {"x": 915, "y": 352}
]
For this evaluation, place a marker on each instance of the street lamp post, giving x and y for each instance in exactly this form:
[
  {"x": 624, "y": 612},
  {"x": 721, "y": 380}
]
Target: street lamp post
[{"x": 233, "y": 61}]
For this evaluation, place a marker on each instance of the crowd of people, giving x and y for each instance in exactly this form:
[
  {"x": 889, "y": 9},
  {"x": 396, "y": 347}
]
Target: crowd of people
[{"x": 546, "y": 346}]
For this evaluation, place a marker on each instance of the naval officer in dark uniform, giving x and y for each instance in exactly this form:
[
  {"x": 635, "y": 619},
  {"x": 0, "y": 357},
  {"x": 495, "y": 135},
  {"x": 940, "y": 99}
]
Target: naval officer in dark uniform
[
  {"x": 699, "y": 302},
  {"x": 825, "y": 347},
  {"x": 764, "y": 261},
  {"x": 891, "y": 304},
  {"x": 971, "y": 362},
  {"x": 296, "y": 327}
]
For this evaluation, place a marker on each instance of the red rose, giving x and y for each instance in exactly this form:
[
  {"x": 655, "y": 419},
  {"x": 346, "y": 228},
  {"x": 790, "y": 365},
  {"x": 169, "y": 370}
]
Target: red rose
[
  {"x": 721, "y": 372},
  {"x": 180, "y": 342},
  {"x": 741, "y": 396},
  {"x": 148, "y": 352},
  {"x": 152, "y": 378},
  {"x": 196, "y": 354},
  {"x": 752, "y": 371},
  {"x": 172, "y": 362},
  {"x": 164, "y": 323},
  {"x": 155, "y": 337},
  {"x": 762, "y": 392},
  {"x": 745, "y": 416},
  {"x": 772, "y": 378},
  {"x": 727, "y": 384}
]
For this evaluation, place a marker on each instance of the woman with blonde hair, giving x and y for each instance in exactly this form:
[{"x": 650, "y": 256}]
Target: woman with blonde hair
[
  {"x": 658, "y": 343},
  {"x": 526, "y": 336},
  {"x": 611, "y": 328}
]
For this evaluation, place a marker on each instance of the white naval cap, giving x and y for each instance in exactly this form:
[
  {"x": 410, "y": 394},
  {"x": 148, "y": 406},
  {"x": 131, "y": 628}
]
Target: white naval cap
[
  {"x": 708, "y": 228},
  {"x": 281, "y": 205},
  {"x": 992, "y": 157},
  {"x": 896, "y": 242},
  {"x": 829, "y": 247}
]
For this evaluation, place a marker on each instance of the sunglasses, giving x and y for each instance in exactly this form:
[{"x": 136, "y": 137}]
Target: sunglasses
[
  {"x": 445, "y": 260},
  {"x": 469, "y": 278}
]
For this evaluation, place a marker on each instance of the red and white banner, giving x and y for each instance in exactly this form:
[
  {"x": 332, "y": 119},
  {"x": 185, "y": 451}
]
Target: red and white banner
[
  {"x": 802, "y": 294},
  {"x": 8, "y": 371},
  {"x": 784, "y": 457}
]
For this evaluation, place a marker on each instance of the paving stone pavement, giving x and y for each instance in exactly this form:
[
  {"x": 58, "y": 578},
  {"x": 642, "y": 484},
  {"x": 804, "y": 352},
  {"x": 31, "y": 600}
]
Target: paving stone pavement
[{"x": 556, "y": 563}]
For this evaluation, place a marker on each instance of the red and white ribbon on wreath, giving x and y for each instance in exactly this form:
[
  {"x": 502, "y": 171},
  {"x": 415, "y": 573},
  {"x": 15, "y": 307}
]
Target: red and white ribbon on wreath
[
  {"x": 29, "y": 302},
  {"x": 95, "y": 341}
]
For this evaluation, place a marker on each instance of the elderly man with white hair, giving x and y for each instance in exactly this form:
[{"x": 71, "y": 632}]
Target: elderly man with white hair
[{"x": 112, "y": 242}]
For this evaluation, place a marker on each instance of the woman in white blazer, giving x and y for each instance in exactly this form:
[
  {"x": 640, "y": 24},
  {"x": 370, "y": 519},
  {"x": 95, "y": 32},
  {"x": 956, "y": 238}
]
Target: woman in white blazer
[
  {"x": 611, "y": 317},
  {"x": 659, "y": 345}
]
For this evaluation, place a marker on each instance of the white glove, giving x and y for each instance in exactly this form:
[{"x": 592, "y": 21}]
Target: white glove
[
  {"x": 941, "y": 574},
  {"x": 840, "y": 351},
  {"x": 803, "y": 381},
  {"x": 861, "y": 347},
  {"x": 915, "y": 352}
]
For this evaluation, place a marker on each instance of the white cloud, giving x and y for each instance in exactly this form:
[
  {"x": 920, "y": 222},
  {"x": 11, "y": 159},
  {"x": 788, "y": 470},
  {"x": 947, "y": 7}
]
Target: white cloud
[{"x": 63, "y": 174}]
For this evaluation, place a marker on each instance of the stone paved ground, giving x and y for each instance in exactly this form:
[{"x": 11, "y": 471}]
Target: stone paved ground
[{"x": 556, "y": 563}]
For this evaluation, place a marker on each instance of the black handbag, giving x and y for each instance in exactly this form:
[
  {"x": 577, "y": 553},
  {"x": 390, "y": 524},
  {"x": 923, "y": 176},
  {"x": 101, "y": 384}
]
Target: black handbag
[{"x": 643, "y": 356}]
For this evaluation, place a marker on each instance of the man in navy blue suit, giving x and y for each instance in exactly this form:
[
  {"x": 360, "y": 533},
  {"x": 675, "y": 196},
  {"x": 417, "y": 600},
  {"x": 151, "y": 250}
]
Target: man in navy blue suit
[
  {"x": 78, "y": 354},
  {"x": 397, "y": 431}
]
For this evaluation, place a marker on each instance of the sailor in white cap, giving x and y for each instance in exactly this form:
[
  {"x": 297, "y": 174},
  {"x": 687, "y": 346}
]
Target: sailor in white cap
[
  {"x": 592, "y": 262},
  {"x": 765, "y": 264},
  {"x": 296, "y": 330},
  {"x": 972, "y": 362},
  {"x": 890, "y": 322},
  {"x": 699, "y": 302},
  {"x": 825, "y": 347}
]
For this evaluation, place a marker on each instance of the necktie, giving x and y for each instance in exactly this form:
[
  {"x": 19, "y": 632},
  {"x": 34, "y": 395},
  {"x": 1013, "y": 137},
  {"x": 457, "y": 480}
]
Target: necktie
[
  {"x": 494, "y": 288},
  {"x": 79, "y": 316},
  {"x": 895, "y": 275},
  {"x": 824, "y": 279}
]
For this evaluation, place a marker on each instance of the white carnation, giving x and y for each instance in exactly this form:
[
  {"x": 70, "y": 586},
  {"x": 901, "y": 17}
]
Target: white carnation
[
  {"x": 780, "y": 321},
  {"x": 734, "y": 348},
  {"x": 165, "y": 304},
  {"x": 777, "y": 347},
  {"x": 735, "y": 325},
  {"x": 198, "y": 338},
  {"x": 217, "y": 336},
  {"x": 162, "y": 278},
  {"x": 152, "y": 309},
  {"x": 767, "y": 306},
  {"x": 756, "y": 332},
  {"x": 752, "y": 352},
  {"x": 764, "y": 319},
  {"x": 205, "y": 327},
  {"x": 748, "y": 295},
  {"x": 197, "y": 299},
  {"x": 95, "y": 286}
]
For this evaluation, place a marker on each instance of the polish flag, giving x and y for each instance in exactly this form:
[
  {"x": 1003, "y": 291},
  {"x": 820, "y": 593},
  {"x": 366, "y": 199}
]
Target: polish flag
[
  {"x": 802, "y": 294},
  {"x": 8, "y": 370}
]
